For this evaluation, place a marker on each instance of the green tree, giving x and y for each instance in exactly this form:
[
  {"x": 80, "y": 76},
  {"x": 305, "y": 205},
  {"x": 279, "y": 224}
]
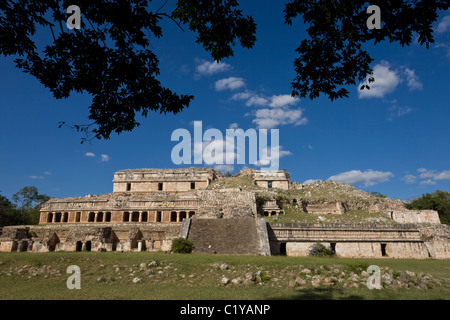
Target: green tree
[
  {"x": 438, "y": 200},
  {"x": 111, "y": 58},
  {"x": 28, "y": 203},
  {"x": 6, "y": 211},
  {"x": 378, "y": 195}
]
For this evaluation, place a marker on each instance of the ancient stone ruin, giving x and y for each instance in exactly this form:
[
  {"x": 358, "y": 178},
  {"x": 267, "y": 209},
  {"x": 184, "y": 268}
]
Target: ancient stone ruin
[{"x": 149, "y": 208}]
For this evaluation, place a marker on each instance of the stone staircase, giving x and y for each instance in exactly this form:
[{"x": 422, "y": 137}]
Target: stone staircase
[{"x": 225, "y": 236}]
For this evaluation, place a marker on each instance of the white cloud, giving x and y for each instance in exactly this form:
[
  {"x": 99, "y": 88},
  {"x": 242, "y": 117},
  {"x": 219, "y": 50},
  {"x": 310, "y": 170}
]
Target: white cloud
[
  {"x": 36, "y": 177},
  {"x": 252, "y": 98},
  {"x": 234, "y": 125},
  {"x": 275, "y": 109},
  {"x": 444, "y": 175},
  {"x": 443, "y": 25},
  {"x": 386, "y": 81},
  {"x": 412, "y": 80},
  {"x": 443, "y": 45},
  {"x": 47, "y": 173},
  {"x": 271, "y": 118},
  {"x": 224, "y": 167},
  {"x": 283, "y": 100},
  {"x": 231, "y": 83},
  {"x": 431, "y": 176},
  {"x": 428, "y": 182},
  {"x": 269, "y": 156},
  {"x": 309, "y": 181},
  {"x": 275, "y": 101},
  {"x": 397, "y": 111},
  {"x": 409, "y": 179},
  {"x": 89, "y": 154},
  {"x": 206, "y": 68},
  {"x": 426, "y": 174},
  {"x": 368, "y": 178},
  {"x": 104, "y": 158}
]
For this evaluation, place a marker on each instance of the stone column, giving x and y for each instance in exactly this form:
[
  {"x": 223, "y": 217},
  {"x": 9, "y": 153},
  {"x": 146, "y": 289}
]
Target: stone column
[
  {"x": 140, "y": 218},
  {"x": 178, "y": 216},
  {"x": 53, "y": 217}
]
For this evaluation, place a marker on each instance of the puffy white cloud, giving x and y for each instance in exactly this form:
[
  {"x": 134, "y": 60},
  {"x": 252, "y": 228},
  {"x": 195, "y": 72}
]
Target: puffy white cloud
[
  {"x": 444, "y": 175},
  {"x": 283, "y": 100},
  {"x": 252, "y": 99},
  {"x": 104, "y": 158},
  {"x": 368, "y": 178},
  {"x": 444, "y": 25},
  {"x": 412, "y": 80},
  {"x": 271, "y": 118},
  {"x": 89, "y": 154},
  {"x": 386, "y": 81},
  {"x": 275, "y": 110},
  {"x": 432, "y": 175},
  {"x": 207, "y": 68},
  {"x": 428, "y": 177},
  {"x": 429, "y": 182},
  {"x": 231, "y": 83},
  {"x": 409, "y": 179}
]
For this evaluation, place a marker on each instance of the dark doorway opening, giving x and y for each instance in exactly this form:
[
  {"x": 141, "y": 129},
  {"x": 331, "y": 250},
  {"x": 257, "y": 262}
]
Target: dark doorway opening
[
  {"x": 283, "y": 249},
  {"x": 78, "y": 246},
  {"x": 383, "y": 250},
  {"x": 333, "y": 247}
]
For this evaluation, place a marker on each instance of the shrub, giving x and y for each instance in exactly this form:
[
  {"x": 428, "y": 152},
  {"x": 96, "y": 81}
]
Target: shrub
[
  {"x": 181, "y": 245},
  {"x": 320, "y": 250}
]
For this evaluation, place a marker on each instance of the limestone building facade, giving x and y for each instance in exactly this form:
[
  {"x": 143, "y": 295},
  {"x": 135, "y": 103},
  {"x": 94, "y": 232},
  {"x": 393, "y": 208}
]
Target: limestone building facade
[{"x": 149, "y": 208}]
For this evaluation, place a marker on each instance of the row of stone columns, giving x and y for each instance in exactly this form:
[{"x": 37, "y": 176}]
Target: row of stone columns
[{"x": 101, "y": 216}]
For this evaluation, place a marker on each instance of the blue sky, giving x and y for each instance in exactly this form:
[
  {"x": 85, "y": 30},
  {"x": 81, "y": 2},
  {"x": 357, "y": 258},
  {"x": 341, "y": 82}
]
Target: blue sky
[{"x": 393, "y": 140}]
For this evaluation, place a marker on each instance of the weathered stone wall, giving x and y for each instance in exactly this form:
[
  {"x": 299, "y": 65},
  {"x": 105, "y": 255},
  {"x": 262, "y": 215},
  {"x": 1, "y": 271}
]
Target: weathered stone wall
[
  {"x": 279, "y": 179},
  {"x": 333, "y": 207},
  {"x": 225, "y": 236},
  {"x": 111, "y": 237},
  {"x": 437, "y": 239},
  {"x": 226, "y": 205},
  {"x": 414, "y": 216},
  {"x": 352, "y": 241},
  {"x": 401, "y": 250},
  {"x": 169, "y": 180}
]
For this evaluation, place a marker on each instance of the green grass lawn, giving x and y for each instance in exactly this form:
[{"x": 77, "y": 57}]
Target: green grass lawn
[{"x": 110, "y": 275}]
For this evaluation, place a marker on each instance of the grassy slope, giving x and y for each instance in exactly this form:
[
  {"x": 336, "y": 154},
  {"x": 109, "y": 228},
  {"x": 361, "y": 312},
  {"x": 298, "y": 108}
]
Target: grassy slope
[{"x": 193, "y": 277}]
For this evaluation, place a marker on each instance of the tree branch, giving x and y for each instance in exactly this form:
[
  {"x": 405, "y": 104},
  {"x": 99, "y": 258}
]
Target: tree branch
[{"x": 171, "y": 18}]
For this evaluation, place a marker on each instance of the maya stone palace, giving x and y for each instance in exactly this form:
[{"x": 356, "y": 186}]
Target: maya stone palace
[{"x": 149, "y": 208}]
